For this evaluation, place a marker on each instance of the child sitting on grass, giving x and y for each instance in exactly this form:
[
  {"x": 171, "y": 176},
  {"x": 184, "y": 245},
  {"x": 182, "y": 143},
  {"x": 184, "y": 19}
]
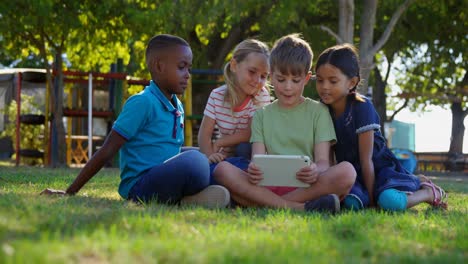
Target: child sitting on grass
[
  {"x": 291, "y": 125},
  {"x": 380, "y": 176},
  {"x": 149, "y": 134},
  {"x": 231, "y": 106}
]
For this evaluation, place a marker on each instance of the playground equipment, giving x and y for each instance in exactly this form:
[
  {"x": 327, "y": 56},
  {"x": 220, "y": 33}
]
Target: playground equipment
[
  {"x": 80, "y": 147},
  {"x": 107, "y": 97},
  {"x": 13, "y": 84},
  {"x": 16, "y": 82},
  {"x": 92, "y": 101}
]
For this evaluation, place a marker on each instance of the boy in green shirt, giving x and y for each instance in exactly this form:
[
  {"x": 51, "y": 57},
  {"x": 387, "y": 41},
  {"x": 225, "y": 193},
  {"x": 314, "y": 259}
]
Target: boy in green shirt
[{"x": 291, "y": 125}]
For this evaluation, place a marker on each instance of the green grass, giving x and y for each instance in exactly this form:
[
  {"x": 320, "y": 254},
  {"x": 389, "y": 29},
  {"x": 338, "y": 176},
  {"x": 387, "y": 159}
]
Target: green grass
[{"x": 97, "y": 226}]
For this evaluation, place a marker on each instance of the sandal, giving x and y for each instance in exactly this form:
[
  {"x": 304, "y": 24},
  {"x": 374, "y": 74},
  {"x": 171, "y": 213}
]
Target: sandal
[{"x": 440, "y": 197}]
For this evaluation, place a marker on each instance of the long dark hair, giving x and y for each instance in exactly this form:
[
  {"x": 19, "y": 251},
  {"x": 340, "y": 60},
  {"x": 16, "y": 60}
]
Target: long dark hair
[{"x": 344, "y": 57}]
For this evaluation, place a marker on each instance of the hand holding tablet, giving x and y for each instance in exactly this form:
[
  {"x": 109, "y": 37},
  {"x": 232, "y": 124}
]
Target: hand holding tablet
[{"x": 280, "y": 170}]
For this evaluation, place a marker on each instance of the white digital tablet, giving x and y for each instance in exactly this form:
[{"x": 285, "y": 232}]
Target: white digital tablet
[{"x": 280, "y": 170}]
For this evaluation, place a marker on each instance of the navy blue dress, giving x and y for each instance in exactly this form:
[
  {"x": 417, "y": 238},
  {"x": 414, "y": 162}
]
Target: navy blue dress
[{"x": 360, "y": 117}]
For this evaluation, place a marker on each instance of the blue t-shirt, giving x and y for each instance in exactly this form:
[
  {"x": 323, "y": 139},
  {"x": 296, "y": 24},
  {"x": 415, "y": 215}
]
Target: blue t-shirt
[{"x": 154, "y": 130}]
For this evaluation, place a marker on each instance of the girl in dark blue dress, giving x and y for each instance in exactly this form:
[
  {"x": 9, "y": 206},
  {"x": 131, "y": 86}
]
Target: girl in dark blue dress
[{"x": 380, "y": 176}]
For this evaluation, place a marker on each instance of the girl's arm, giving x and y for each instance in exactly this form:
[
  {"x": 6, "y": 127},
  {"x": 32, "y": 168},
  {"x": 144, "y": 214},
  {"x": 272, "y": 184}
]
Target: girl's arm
[
  {"x": 240, "y": 136},
  {"x": 204, "y": 135},
  {"x": 366, "y": 146}
]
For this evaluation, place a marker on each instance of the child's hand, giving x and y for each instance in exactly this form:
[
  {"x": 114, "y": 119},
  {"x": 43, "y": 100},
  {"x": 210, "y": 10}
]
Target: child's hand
[
  {"x": 215, "y": 147},
  {"x": 52, "y": 192},
  {"x": 216, "y": 157},
  {"x": 308, "y": 174},
  {"x": 255, "y": 174}
]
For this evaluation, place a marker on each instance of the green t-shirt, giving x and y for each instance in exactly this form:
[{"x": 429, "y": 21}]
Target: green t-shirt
[{"x": 292, "y": 131}]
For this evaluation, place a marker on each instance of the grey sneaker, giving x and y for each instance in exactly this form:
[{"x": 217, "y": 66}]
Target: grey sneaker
[
  {"x": 213, "y": 196},
  {"x": 328, "y": 203}
]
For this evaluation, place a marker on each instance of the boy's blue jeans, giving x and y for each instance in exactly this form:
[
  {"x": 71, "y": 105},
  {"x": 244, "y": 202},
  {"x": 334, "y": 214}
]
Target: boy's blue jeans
[{"x": 184, "y": 174}]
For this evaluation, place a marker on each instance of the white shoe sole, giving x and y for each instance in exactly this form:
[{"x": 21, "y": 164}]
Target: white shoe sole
[
  {"x": 337, "y": 203},
  {"x": 213, "y": 196}
]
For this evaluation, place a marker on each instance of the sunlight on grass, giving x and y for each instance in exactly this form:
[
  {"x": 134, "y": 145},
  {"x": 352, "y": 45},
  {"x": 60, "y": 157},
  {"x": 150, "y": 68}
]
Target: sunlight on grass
[{"x": 97, "y": 226}]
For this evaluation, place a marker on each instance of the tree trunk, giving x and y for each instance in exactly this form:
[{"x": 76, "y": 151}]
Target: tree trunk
[
  {"x": 58, "y": 157},
  {"x": 367, "y": 48},
  {"x": 346, "y": 22},
  {"x": 226, "y": 45},
  {"x": 456, "y": 140},
  {"x": 458, "y": 128},
  {"x": 219, "y": 48},
  {"x": 367, "y": 37},
  {"x": 51, "y": 96},
  {"x": 379, "y": 98}
]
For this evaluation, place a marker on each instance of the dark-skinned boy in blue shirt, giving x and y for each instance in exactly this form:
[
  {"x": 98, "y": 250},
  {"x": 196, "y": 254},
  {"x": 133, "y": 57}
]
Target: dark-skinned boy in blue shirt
[{"x": 149, "y": 134}]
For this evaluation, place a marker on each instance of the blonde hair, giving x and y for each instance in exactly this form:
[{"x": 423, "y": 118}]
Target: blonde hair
[
  {"x": 240, "y": 52},
  {"x": 291, "y": 55}
]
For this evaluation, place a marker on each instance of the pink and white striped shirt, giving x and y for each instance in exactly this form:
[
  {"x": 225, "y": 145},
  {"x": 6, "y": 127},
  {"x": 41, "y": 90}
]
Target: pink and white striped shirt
[{"x": 227, "y": 120}]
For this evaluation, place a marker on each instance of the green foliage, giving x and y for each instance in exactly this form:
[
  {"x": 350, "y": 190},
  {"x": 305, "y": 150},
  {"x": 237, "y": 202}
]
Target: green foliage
[
  {"x": 90, "y": 32},
  {"x": 430, "y": 78},
  {"x": 94, "y": 34},
  {"x": 213, "y": 28},
  {"x": 134, "y": 89},
  {"x": 41, "y": 229},
  {"x": 432, "y": 54},
  {"x": 32, "y": 136}
]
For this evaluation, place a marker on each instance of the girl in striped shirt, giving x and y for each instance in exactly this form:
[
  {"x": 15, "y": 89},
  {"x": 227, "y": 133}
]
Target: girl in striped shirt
[{"x": 231, "y": 106}]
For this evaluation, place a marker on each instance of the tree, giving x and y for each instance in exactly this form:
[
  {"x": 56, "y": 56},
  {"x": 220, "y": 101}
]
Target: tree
[
  {"x": 434, "y": 61},
  {"x": 47, "y": 28},
  {"x": 367, "y": 47},
  {"x": 93, "y": 34},
  {"x": 213, "y": 28},
  {"x": 433, "y": 79}
]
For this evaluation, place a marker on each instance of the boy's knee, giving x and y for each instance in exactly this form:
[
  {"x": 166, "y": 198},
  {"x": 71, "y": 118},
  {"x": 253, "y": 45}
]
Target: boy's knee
[
  {"x": 347, "y": 175},
  {"x": 220, "y": 170},
  {"x": 225, "y": 171},
  {"x": 349, "y": 171},
  {"x": 196, "y": 155},
  {"x": 392, "y": 200},
  {"x": 194, "y": 164}
]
